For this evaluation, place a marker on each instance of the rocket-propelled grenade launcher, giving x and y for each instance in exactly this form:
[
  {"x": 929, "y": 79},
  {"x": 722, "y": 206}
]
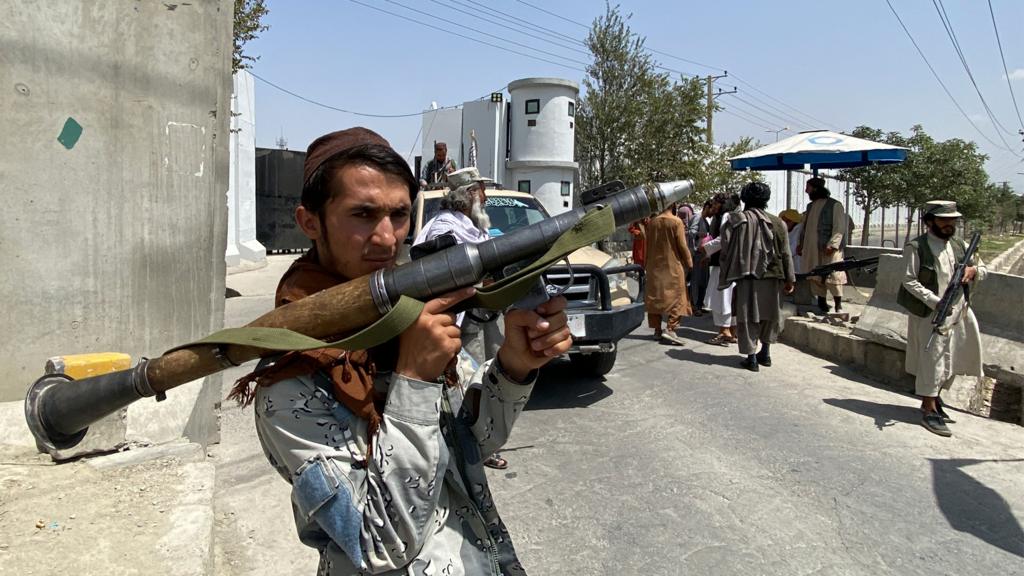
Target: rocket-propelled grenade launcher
[{"x": 59, "y": 410}]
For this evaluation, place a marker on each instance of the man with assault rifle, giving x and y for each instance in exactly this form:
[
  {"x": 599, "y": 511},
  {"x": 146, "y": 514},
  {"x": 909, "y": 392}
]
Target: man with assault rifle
[{"x": 943, "y": 340}]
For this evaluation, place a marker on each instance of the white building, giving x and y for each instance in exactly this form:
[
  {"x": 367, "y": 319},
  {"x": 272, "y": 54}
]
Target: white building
[
  {"x": 525, "y": 144},
  {"x": 243, "y": 249}
]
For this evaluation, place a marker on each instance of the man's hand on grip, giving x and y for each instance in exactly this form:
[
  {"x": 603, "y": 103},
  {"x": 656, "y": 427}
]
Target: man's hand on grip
[
  {"x": 426, "y": 347},
  {"x": 534, "y": 337}
]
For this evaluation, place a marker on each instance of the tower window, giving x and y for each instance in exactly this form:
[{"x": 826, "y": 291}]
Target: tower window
[
  {"x": 533, "y": 106},
  {"x": 572, "y": 109},
  {"x": 524, "y": 186},
  {"x": 566, "y": 188}
]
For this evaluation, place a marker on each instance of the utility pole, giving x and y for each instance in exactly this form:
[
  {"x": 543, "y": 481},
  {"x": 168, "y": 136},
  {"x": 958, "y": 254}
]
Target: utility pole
[{"x": 711, "y": 101}]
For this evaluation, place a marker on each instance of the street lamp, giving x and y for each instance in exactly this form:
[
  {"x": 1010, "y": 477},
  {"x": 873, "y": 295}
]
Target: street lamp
[{"x": 783, "y": 129}]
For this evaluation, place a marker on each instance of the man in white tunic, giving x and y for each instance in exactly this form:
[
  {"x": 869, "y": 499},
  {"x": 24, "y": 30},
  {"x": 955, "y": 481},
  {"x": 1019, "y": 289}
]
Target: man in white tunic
[
  {"x": 822, "y": 242},
  {"x": 956, "y": 350}
]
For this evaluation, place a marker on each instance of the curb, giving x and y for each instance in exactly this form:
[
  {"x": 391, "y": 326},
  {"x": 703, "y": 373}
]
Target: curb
[
  {"x": 982, "y": 397},
  {"x": 143, "y": 511},
  {"x": 1008, "y": 257}
]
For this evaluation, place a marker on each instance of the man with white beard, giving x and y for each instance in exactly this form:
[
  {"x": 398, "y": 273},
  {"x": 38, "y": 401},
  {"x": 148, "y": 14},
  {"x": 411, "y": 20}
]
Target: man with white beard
[{"x": 463, "y": 215}]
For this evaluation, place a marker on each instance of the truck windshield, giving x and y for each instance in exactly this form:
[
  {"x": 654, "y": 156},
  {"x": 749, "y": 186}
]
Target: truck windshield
[{"x": 508, "y": 213}]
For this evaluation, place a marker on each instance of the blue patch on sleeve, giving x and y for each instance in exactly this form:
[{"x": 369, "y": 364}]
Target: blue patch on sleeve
[{"x": 321, "y": 495}]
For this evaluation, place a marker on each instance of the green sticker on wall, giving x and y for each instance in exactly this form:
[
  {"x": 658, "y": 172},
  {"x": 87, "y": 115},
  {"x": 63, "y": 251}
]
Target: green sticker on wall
[{"x": 70, "y": 134}]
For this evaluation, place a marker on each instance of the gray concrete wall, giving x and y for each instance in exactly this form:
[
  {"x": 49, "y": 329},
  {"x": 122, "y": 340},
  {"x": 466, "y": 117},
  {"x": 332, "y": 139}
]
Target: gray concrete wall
[
  {"x": 998, "y": 303},
  {"x": 114, "y": 238}
]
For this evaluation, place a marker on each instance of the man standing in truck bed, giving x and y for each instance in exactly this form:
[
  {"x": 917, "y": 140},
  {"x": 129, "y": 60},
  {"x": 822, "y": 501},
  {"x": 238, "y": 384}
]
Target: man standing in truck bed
[{"x": 436, "y": 171}]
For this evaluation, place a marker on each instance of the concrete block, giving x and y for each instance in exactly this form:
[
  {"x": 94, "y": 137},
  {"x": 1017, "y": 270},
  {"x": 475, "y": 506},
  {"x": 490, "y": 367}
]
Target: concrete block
[
  {"x": 187, "y": 547},
  {"x": 969, "y": 394},
  {"x": 183, "y": 451},
  {"x": 12, "y": 423},
  {"x": 105, "y": 435},
  {"x": 152, "y": 422}
]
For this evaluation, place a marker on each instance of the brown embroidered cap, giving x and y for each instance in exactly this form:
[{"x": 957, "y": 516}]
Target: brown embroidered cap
[{"x": 326, "y": 146}]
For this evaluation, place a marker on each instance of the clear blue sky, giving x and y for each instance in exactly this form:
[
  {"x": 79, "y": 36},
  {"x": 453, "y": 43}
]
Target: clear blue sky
[{"x": 843, "y": 63}]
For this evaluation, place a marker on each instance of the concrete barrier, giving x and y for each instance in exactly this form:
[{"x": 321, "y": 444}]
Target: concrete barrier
[
  {"x": 998, "y": 303},
  {"x": 1006, "y": 260},
  {"x": 862, "y": 278}
]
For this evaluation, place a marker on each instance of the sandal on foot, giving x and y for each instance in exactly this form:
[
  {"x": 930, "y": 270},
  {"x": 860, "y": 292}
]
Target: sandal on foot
[
  {"x": 939, "y": 408},
  {"x": 934, "y": 423},
  {"x": 496, "y": 462},
  {"x": 720, "y": 340},
  {"x": 670, "y": 338}
]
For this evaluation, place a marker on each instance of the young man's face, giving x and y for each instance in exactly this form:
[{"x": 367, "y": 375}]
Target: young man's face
[
  {"x": 362, "y": 224},
  {"x": 440, "y": 153}
]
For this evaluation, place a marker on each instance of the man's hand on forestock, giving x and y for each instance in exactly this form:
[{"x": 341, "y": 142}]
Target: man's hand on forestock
[
  {"x": 970, "y": 273},
  {"x": 426, "y": 347},
  {"x": 534, "y": 337}
]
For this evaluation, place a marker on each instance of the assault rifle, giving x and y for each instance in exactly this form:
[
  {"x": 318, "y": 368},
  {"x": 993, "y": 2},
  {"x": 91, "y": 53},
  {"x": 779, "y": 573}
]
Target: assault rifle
[
  {"x": 953, "y": 290},
  {"x": 842, "y": 266},
  {"x": 59, "y": 410}
]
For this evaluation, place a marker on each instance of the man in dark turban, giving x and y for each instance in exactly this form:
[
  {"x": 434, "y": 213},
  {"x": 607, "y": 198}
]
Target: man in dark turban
[{"x": 755, "y": 255}]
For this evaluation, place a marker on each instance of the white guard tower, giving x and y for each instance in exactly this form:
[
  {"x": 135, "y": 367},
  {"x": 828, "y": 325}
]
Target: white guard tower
[{"x": 542, "y": 134}]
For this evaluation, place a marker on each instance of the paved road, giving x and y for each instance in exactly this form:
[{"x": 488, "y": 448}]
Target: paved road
[{"x": 680, "y": 463}]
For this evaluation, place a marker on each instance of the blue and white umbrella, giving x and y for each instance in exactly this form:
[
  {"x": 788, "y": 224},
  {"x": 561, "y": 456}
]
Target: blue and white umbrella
[{"x": 819, "y": 149}]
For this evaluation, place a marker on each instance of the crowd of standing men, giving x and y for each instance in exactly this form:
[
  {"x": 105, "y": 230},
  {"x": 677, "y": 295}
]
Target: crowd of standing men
[{"x": 738, "y": 260}]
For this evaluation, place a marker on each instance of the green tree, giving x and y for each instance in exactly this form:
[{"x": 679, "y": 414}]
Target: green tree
[
  {"x": 248, "y": 17},
  {"x": 715, "y": 174},
  {"x": 874, "y": 186},
  {"x": 952, "y": 170},
  {"x": 633, "y": 123}
]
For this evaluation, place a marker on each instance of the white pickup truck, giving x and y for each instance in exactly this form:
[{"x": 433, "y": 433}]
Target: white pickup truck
[{"x": 601, "y": 307}]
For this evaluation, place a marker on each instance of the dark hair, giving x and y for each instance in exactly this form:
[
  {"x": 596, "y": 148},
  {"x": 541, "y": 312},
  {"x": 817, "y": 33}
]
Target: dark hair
[
  {"x": 756, "y": 195},
  {"x": 818, "y": 189},
  {"x": 728, "y": 200},
  {"x": 316, "y": 192}
]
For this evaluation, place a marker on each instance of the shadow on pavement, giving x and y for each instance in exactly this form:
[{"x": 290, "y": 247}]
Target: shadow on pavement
[
  {"x": 973, "y": 508},
  {"x": 684, "y": 353},
  {"x": 885, "y": 415},
  {"x": 846, "y": 373},
  {"x": 559, "y": 386}
]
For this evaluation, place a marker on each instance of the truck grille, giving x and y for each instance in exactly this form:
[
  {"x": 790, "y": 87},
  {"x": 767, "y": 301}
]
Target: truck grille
[{"x": 583, "y": 290}]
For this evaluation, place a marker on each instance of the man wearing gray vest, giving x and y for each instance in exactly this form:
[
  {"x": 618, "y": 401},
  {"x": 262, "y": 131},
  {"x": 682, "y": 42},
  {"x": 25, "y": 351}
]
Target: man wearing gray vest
[
  {"x": 822, "y": 242},
  {"x": 956, "y": 350}
]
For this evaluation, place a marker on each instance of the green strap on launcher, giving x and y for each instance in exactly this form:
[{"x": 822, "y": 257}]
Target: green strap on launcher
[{"x": 594, "y": 226}]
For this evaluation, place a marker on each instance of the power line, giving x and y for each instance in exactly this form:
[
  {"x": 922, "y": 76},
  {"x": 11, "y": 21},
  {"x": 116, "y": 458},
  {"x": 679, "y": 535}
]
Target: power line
[
  {"x": 335, "y": 108},
  {"x": 513, "y": 42},
  {"x": 704, "y": 65},
  {"x": 741, "y": 116},
  {"x": 940, "y": 8},
  {"x": 457, "y": 8},
  {"x": 580, "y": 24},
  {"x": 1009, "y": 84},
  {"x": 818, "y": 121},
  {"x": 768, "y": 112},
  {"x": 936, "y": 75},
  {"x": 477, "y": 40},
  {"x": 735, "y": 106},
  {"x": 525, "y": 23}
]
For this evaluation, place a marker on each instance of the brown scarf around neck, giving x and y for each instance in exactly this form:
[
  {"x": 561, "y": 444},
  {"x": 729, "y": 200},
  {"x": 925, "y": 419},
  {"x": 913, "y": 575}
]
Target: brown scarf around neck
[{"x": 351, "y": 372}]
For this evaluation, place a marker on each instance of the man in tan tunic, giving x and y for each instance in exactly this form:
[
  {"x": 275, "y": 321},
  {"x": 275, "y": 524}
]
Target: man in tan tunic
[
  {"x": 956, "y": 350},
  {"x": 822, "y": 242},
  {"x": 668, "y": 259}
]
